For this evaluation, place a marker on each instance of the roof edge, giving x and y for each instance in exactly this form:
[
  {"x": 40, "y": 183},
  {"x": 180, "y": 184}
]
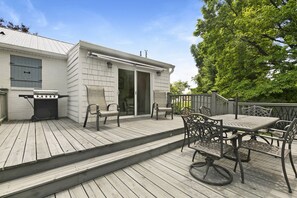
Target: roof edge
[{"x": 31, "y": 50}]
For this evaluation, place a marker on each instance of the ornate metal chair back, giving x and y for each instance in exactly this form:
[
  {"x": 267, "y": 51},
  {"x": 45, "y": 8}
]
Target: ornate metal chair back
[
  {"x": 205, "y": 111},
  {"x": 256, "y": 111}
]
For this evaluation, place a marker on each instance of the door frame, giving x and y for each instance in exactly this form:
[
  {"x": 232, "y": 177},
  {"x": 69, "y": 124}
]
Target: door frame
[{"x": 135, "y": 69}]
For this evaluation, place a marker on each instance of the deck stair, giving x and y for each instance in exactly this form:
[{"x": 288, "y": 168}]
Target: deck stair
[{"x": 81, "y": 167}]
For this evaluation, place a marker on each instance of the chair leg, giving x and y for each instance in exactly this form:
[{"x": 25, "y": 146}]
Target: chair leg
[
  {"x": 240, "y": 165},
  {"x": 172, "y": 115},
  {"x": 194, "y": 155},
  {"x": 118, "y": 120},
  {"x": 97, "y": 122},
  {"x": 157, "y": 114},
  {"x": 87, "y": 114},
  {"x": 153, "y": 106},
  {"x": 292, "y": 163},
  {"x": 105, "y": 120},
  {"x": 165, "y": 114},
  {"x": 285, "y": 174},
  {"x": 183, "y": 142}
]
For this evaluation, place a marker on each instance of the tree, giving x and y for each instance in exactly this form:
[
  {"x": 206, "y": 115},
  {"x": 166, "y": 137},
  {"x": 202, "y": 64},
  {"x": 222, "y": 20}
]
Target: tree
[
  {"x": 249, "y": 47},
  {"x": 10, "y": 25},
  {"x": 178, "y": 87}
]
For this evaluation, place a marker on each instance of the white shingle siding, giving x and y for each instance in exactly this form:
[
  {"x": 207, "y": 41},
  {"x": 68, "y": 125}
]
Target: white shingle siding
[
  {"x": 73, "y": 83},
  {"x": 161, "y": 83}
]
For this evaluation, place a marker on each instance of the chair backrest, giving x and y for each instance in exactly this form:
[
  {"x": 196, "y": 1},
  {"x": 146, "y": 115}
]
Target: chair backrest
[
  {"x": 204, "y": 129},
  {"x": 186, "y": 111},
  {"x": 205, "y": 111},
  {"x": 160, "y": 97},
  {"x": 256, "y": 111},
  {"x": 96, "y": 95},
  {"x": 291, "y": 132}
]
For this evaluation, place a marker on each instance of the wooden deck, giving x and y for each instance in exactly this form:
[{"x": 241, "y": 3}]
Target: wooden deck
[
  {"x": 23, "y": 142},
  {"x": 168, "y": 176},
  {"x": 26, "y": 146}
]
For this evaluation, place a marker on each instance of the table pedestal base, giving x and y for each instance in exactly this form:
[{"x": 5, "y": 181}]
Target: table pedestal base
[{"x": 215, "y": 175}]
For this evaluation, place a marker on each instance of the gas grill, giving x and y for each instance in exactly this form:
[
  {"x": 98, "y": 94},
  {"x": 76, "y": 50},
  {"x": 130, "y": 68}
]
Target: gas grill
[{"x": 45, "y": 104}]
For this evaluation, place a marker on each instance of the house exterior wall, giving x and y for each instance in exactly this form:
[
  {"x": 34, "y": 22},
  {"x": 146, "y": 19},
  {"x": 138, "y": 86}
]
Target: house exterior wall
[
  {"x": 94, "y": 71},
  {"x": 53, "y": 77}
]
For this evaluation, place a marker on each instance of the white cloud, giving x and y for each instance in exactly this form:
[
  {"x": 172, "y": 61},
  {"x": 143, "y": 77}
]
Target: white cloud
[
  {"x": 9, "y": 12},
  {"x": 37, "y": 15}
]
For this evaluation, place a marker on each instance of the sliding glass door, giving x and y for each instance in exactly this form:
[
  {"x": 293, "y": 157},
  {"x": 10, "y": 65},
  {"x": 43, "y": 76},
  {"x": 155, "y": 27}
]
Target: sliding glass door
[
  {"x": 143, "y": 93},
  {"x": 134, "y": 92}
]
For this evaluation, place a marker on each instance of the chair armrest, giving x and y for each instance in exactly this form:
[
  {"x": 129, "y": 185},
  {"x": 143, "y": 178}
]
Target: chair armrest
[
  {"x": 115, "y": 104},
  {"x": 169, "y": 105},
  {"x": 282, "y": 124},
  {"x": 97, "y": 108}
]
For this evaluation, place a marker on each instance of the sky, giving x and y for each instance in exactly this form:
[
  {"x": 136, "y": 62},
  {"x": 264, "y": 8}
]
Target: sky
[{"x": 162, "y": 27}]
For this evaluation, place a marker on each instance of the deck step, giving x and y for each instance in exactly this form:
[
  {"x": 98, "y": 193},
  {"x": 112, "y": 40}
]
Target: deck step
[
  {"x": 30, "y": 168},
  {"x": 61, "y": 178}
]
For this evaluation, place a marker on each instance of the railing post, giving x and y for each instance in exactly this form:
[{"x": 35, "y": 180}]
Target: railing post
[
  {"x": 213, "y": 105},
  {"x": 231, "y": 103}
]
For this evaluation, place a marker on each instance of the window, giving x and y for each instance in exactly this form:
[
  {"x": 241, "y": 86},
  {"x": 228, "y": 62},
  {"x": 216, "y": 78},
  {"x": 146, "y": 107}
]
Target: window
[{"x": 25, "y": 72}]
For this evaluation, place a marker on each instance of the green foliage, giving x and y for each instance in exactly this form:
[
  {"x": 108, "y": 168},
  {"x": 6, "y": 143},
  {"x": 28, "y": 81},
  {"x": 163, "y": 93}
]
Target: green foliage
[
  {"x": 177, "y": 88},
  {"x": 249, "y": 47}
]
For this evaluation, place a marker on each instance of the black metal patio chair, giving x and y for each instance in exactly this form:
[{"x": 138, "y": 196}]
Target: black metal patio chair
[
  {"x": 185, "y": 112},
  {"x": 255, "y": 110},
  {"x": 97, "y": 105},
  {"x": 205, "y": 136},
  {"x": 277, "y": 151}
]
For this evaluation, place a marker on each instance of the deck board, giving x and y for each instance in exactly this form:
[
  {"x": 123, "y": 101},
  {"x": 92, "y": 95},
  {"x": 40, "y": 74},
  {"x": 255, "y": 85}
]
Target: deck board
[
  {"x": 9, "y": 142},
  {"x": 92, "y": 189},
  {"x": 30, "y": 149},
  {"x": 168, "y": 176},
  {"x": 63, "y": 141},
  {"x": 42, "y": 148},
  {"x": 18, "y": 149},
  {"x": 53, "y": 144}
]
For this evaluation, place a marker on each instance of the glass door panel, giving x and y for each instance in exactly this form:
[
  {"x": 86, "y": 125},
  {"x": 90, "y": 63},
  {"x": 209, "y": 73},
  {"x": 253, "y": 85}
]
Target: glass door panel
[
  {"x": 126, "y": 92},
  {"x": 143, "y": 93}
]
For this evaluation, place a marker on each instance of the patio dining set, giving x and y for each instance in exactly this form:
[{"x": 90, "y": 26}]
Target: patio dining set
[
  {"x": 214, "y": 137},
  {"x": 233, "y": 137}
]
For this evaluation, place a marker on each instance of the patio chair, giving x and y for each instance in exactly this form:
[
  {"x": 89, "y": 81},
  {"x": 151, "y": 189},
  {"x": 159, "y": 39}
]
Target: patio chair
[
  {"x": 97, "y": 105},
  {"x": 129, "y": 106},
  {"x": 160, "y": 104},
  {"x": 205, "y": 136},
  {"x": 279, "y": 129},
  {"x": 277, "y": 151},
  {"x": 255, "y": 110},
  {"x": 184, "y": 112},
  {"x": 205, "y": 111}
]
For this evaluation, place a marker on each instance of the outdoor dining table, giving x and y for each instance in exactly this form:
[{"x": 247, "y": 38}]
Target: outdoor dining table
[{"x": 245, "y": 123}]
